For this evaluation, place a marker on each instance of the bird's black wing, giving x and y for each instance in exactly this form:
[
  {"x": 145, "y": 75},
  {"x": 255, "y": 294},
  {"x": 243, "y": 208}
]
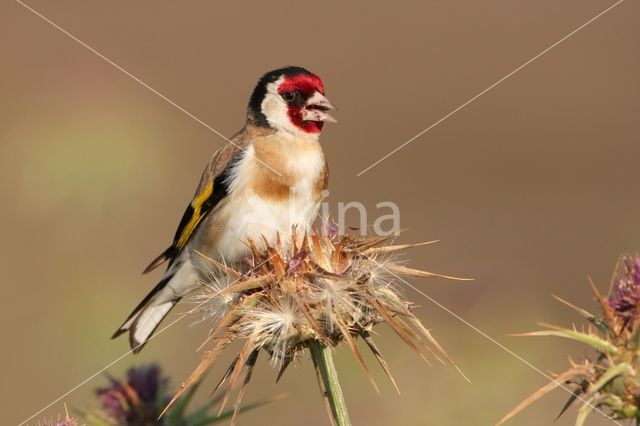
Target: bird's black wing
[{"x": 213, "y": 187}]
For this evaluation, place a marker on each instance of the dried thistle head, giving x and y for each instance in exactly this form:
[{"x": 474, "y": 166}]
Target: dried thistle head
[
  {"x": 316, "y": 288},
  {"x": 609, "y": 381}
]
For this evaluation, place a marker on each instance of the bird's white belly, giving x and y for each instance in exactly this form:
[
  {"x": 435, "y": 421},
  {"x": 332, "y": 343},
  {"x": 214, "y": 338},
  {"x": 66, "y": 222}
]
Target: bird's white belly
[
  {"x": 250, "y": 217},
  {"x": 249, "y": 214}
]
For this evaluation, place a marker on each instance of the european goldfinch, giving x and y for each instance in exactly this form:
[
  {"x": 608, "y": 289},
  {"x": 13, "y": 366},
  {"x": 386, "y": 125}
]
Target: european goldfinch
[{"x": 265, "y": 180}]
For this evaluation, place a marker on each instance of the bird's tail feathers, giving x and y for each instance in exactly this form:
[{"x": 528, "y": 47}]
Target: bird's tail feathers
[
  {"x": 166, "y": 255},
  {"x": 146, "y": 317}
]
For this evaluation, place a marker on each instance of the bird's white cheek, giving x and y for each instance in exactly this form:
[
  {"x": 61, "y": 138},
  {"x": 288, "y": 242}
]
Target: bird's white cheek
[
  {"x": 277, "y": 115},
  {"x": 276, "y": 112}
]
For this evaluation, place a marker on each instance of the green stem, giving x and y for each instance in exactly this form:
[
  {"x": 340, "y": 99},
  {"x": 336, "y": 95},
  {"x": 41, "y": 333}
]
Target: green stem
[{"x": 329, "y": 384}]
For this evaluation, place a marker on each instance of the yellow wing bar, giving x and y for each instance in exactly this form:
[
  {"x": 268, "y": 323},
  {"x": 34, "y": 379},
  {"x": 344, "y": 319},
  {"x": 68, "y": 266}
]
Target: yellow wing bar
[{"x": 196, "y": 216}]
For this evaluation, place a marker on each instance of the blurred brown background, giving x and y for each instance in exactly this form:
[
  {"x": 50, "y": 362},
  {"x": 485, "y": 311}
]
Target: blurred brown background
[{"x": 530, "y": 189}]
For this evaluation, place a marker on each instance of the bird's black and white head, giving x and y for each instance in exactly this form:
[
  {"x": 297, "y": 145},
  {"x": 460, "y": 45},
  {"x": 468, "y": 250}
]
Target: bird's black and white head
[{"x": 290, "y": 100}]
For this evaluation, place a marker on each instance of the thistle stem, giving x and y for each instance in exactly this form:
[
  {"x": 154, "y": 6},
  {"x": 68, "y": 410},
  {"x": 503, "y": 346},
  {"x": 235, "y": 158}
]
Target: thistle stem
[{"x": 329, "y": 384}]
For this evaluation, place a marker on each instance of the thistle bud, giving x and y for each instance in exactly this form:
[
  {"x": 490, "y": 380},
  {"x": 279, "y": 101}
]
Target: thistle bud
[{"x": 625, "y": 287}]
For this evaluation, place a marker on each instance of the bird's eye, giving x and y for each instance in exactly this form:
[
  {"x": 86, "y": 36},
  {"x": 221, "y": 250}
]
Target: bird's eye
[{"x": 289, "y": 96}]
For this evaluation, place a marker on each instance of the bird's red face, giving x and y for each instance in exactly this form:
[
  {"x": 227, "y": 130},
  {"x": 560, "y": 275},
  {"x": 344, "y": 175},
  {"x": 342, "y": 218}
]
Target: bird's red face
[
  {"x": 291, "y": 100},
  {"x": 306, "y": 104}
]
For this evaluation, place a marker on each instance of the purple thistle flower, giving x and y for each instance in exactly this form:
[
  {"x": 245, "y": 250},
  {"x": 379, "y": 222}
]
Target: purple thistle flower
[
  {"x": 141, "y": 398},
  {"x": 68, "y": 422},
  {"x": 625, "y": 290},
  {"x": 147, "y": 382},
  {"x": 111, "y": 403},
  {"x": 135, "y": 402},
  {"x": 65, "y": 422}
]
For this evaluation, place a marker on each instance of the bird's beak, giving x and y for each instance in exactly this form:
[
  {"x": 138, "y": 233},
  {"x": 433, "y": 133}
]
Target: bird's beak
[{"x": 316, "y": 109}]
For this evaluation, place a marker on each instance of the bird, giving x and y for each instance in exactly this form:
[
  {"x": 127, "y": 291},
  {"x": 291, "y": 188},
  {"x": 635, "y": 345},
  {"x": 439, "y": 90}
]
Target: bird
[{"x": 263, "y": 182}]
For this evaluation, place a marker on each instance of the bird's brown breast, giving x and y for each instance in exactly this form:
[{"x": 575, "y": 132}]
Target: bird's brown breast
[{"x": 297, "y": 162}]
